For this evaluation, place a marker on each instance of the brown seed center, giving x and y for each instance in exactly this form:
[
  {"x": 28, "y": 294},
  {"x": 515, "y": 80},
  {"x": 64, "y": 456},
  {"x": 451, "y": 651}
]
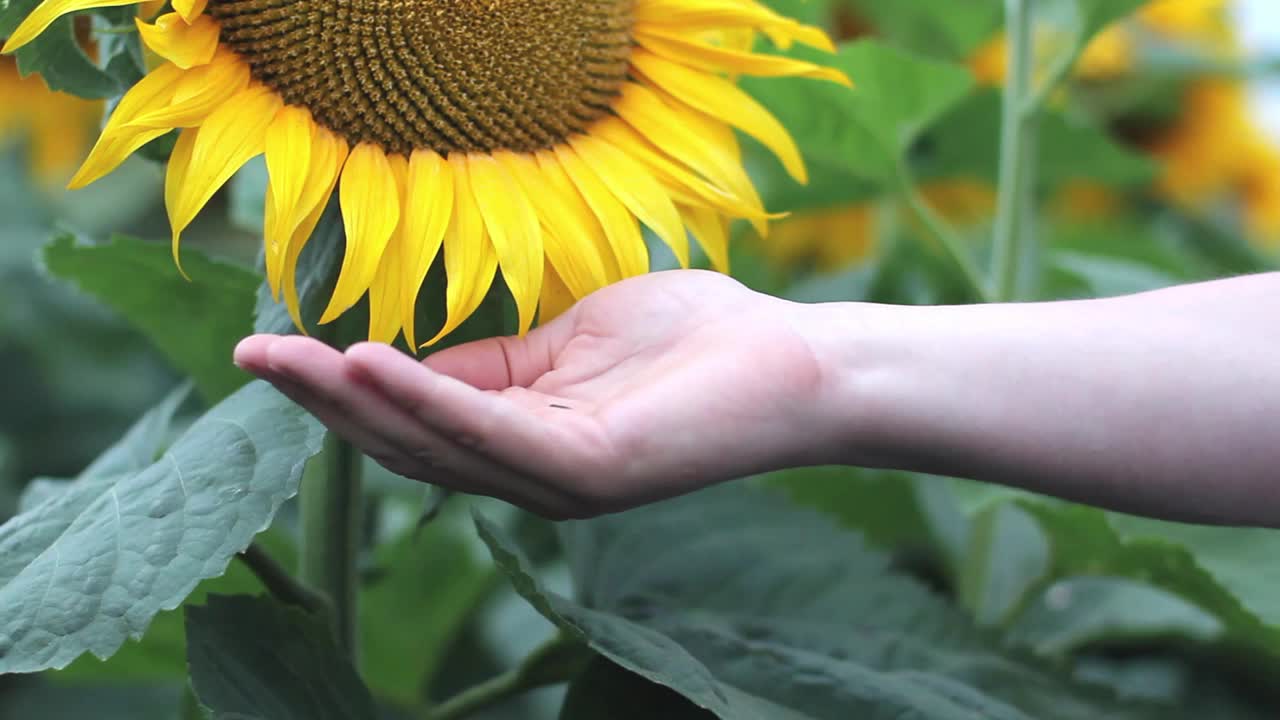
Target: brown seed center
[{"x": 449, "y": 75}]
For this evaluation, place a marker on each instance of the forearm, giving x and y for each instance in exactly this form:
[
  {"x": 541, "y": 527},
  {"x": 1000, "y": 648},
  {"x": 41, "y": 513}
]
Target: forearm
[{"x": 1165, "y": 403}]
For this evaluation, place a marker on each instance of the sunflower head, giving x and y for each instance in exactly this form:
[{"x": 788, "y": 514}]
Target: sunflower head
[{"x": 533, "y": 138}]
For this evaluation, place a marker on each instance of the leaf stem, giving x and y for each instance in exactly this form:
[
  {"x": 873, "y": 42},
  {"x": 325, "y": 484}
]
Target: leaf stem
[
  {"x": 280, "y": 583},
  {"x": 556, "y": 661},
  {"x": 1016, "y": 202},
  {"x": 946, "y": 236}
]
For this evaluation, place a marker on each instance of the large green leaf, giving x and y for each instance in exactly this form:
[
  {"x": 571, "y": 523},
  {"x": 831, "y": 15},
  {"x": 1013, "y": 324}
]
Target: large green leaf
[
  {"x": 752, "y": 609},
  {"x": 91, "y": 566},
  {"x": 196, "y": 323},
  {"x": 605, "y": 690},
  {"x": 1075, "y": 613},
  {"x": 939, "y": 28},
  {"x": 1229, "y": 572},
  {"x": 864, "y": 132},
  {"x": 254, "y": 658}
]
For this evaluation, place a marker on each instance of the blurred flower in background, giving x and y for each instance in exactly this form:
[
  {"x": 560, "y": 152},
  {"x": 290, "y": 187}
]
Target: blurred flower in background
[
  {"x": 57, "y": 128},
  {"x": 71, "y": 374},
  {"x": 1172, "y": 82}
]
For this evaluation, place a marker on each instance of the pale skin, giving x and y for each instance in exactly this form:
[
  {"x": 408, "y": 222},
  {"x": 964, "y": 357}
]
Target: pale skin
[{"x": 1165, "y": 404}]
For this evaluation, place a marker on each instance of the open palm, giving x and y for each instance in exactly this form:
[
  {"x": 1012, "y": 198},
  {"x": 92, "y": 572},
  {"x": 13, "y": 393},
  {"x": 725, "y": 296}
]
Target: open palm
[{"x": 646, "y": 389}]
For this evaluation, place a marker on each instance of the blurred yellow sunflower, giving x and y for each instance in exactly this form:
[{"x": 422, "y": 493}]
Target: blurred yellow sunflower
[
  {"x": 530, "y": 137},
  {"x": 1215, "y": 152},
  {"x": 57, "y": 127},
  {"x": 1113, "y": 52}
]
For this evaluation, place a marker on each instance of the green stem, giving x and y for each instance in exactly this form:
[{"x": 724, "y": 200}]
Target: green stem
[
  {"x": 331, "y": 533},
  {"x": 948, "y": 239},
  {"x": 1016, "y": 203},
  {"x": 282, "y": 585},
  {"x": 331, "y": 510},
  {"x": 557, "y": 661}
]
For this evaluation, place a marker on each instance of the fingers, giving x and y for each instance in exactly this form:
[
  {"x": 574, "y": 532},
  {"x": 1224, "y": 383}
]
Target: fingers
[
  {"x": 484, "y": 422},
  {"x": 503, "y": 362},
  {"x": 320, "y": 379}
]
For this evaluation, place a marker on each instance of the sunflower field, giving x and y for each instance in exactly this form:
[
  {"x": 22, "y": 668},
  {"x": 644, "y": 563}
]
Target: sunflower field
[{"x": 180, "y": 542}]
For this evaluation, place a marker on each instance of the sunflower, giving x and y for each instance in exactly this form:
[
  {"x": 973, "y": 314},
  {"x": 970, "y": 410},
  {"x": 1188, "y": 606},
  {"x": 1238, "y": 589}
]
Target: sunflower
[
  {"x": 58, "y": 127},
  {"x": 528, "y": 137}
]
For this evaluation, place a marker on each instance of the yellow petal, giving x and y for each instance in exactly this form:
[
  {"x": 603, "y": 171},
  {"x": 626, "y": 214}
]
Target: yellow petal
[
  {"x": 688, "y": 51},
  {"x": 46, "y": 13},
  {"x": 684, "y": 186},
  {"x": 631, "y": 182},
  {"x": 704, "y": 144},
  {"x": 230, "y": 137},
  {"x": 384, "y": 291},
  {"x": 428, "y": 206},
  {"x": 328, "y": 156},
  {"x": 469, "y": 258},
  {"x": 184, "y": 45},
  {"x": 514, "y": 231},
  {"x": 118, "y": 141},
  {"x": 199, "y": 92},
  {"x": 189, "y": 9},
  {"x": 620, "y": 226},
  {"x": 289, "y": 140},
  {"x": 709, "y": 229},
  {"x": 722, "y": 99},
  {"x": 571, "y": 236},
  {"x": 175, "y": 179},
  {"x": 579, "y": 226},
  {"x": 556, "y": 296},
  {"x": 370, "y": 213}
]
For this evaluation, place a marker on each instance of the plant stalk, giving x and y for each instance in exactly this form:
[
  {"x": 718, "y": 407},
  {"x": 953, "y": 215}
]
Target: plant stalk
[
  {"x": 331, "y": 506},
  {"x": 283, "y": 586},
  {"x": 331, "y": 512},
  {"x": 1015, "y": 207}
]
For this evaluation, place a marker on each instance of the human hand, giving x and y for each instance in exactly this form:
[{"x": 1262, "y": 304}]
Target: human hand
[{"x": 647, "y": 389}]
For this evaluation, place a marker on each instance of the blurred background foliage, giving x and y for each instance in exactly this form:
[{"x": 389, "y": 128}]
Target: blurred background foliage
[{"x": 1160, "y": 164}]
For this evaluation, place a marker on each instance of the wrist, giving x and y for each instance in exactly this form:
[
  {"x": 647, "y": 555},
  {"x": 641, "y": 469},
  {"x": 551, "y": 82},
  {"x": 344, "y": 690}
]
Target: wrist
[{"x": 898, "y": 382}]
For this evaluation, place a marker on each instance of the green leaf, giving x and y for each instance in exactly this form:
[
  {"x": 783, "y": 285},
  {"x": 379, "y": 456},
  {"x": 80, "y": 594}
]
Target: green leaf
[
  {"x": 1230, "y": 573},
  {"x": 161, "y": 653},
  {"x": 752, "y": 609},
  {"x": 34, "y": 698},
  {"x": 939, "y": 28},
  {"x": 1080, "y": 611},
  {"x": 196, "y": 323},
  {"x": 1006, "y": 556},
  {"x": 92, "y": 566},
  {"x": 411, "y": 615},
  {"x": 56, "y": 54},
  {"x": 254, "y": 658},
  {"x": 605, "y": 690},
  {"x": 882, "y": 505},
  {"x": 865, "y": 131}
]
